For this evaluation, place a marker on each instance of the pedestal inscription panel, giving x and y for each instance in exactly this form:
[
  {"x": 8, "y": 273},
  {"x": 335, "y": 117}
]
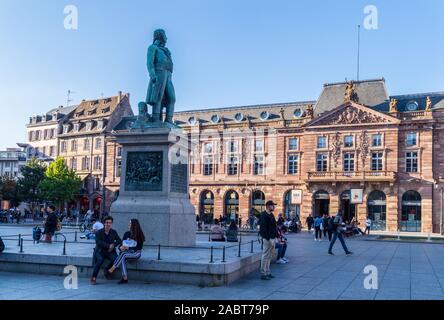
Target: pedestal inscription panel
[
  {"x": 179, "y": 178},
  {"x": 144, "y": 171}
]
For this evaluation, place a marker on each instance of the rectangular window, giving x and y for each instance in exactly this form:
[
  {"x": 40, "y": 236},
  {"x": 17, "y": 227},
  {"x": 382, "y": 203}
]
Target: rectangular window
[
  {"x": 85, "y": 163},
  {"x": 258, "y": 165},
  {"x": 119, "y": 151},
  {"x": 258, "y": 146},
  {"x": 74, "y": 145},
  {"x": 97, "y": 183},
  {"x": 377, "y": 161},
  {"x": 411, "y": 161},
  {"x": 63, "y": 146},
  {"x": 232, "y": 165},
  {"x": 208, "y": 166},
  {"x": 411, "y": 140},
  {"x": 322, "y": 142},
  {"x": 118, "y": 167},
  {"x": 377, "y": 140},
  {"x": 349, "y": 162},
  {"x": 293, "y": 144},
  {"x": 321, "y": 162},
  {"x": 233, "y": 147},
  {"x": 52, "y": 152},
  {"x": 97, "y": 163},
  {"x": 86, "y": 144},
  {"x": 293, "y": 164},
  {"x": 348, "y": 141},
  {"x": 98, "y": 143},
  {"x": 44, "y": 152},
  {"x": 74, "y": 164}
]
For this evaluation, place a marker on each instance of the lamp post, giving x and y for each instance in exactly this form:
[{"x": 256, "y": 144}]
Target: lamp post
[{"x": 441, "y": 216}]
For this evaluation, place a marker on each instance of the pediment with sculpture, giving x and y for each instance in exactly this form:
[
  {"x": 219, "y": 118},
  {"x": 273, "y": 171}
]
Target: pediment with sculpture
[{"x": 352, "y": 114}]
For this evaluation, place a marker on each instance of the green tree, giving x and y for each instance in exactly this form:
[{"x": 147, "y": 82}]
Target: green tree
[
  {"x": 60, "y": 183},
  {"x": 8, "y": 191},
  {"x": 32, "y": 174}
]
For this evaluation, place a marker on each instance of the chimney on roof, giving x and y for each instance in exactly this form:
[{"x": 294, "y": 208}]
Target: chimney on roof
[{"x": 119, "y": 96}]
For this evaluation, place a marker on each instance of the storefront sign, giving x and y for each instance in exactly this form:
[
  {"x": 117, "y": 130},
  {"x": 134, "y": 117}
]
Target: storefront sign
[
  {"x": 356, "y": 196},
  {"x": 296, "y": 197}
]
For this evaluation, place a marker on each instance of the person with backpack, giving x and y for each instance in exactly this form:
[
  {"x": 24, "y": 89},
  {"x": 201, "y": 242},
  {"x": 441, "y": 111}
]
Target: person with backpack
[{"x": 337, "y": 231}]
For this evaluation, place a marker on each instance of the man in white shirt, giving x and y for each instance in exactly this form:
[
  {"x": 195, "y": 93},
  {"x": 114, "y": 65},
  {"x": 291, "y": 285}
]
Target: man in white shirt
[{"x": 368, "y": 225}]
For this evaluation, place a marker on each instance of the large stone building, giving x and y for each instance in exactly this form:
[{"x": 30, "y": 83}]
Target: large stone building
[
  {"x": 355, "y": 149},
  {"x": 83, "y": 143},
  {"x": 42, "y": 133}
]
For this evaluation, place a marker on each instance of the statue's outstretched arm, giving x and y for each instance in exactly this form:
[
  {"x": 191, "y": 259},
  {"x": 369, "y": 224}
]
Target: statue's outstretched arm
[{"x": 150, "y": 61}]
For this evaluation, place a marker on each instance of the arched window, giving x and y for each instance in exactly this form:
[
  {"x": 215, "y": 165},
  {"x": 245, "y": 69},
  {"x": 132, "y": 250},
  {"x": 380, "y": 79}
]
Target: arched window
[
  {"x": 411, "y": 212},
  {"x": 231, "y": 206},
  {"x": 207, "y": 207},
  {"x": 257, "y": 202}
]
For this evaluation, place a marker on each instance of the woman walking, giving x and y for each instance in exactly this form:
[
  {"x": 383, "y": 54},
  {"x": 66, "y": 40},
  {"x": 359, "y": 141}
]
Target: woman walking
[{"x": 131, "y": 249}]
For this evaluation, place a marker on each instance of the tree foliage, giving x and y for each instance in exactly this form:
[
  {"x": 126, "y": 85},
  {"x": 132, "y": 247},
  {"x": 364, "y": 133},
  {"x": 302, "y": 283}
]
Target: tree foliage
[
  {"x": 28, "y": 185},
  {"x": 60, "y": 183},
  {"x": 8, "y": 191}
]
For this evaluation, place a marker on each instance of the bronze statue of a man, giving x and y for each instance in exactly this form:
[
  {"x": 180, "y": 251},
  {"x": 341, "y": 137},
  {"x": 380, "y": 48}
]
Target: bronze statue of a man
[{"x": 161, "y": 92}]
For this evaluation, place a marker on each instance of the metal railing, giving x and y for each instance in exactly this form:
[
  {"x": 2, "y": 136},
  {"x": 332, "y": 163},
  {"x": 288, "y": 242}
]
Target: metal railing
[
  {"x": 351, "y": 175},
  {"x": 213, "y": 251}
]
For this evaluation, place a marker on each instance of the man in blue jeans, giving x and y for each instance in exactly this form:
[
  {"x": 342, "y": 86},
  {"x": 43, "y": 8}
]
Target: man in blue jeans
[{"x": 337, "y": 225}]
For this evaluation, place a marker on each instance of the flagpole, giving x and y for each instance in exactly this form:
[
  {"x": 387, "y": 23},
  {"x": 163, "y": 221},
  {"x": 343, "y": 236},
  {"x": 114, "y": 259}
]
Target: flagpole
[{"x": 359, "y": 49}]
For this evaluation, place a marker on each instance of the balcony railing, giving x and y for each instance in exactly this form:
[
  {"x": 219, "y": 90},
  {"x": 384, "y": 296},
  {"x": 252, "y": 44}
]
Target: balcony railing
[{"x": 351, "y": 176}]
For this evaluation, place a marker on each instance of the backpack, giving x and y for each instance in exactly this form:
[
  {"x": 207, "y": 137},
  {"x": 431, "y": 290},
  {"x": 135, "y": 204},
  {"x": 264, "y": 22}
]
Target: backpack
[{"x": 2, "y": 245}]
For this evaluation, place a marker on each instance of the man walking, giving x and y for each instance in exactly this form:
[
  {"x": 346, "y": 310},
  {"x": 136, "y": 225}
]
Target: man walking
[
  {"x": 268, "y": 232},
  {"x": 337, "y": 230}
]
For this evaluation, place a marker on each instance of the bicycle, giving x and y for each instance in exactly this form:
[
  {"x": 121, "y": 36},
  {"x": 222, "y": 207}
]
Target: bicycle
[{"x": 85, "y": 225}]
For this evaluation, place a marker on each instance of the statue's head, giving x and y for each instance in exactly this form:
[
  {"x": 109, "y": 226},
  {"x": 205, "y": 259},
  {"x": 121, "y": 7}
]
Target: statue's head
[{"x": 160, "y": 35}]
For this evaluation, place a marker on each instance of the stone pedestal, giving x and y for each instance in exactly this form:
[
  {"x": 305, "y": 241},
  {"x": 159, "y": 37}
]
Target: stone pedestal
[{"x": 154, "y": 185}]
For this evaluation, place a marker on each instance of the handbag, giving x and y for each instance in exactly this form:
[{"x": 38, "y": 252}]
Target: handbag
[{"x": 322, "y": 227}]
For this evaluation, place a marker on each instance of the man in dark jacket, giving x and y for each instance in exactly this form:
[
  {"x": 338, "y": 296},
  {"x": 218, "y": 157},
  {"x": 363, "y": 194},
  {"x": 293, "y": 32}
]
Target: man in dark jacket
[
  {"x": 337, "y": 234},
  {"x": 268, "y": 232},
  {"x": 107, "y": 240},
  {"x": 50, "y": 224}
]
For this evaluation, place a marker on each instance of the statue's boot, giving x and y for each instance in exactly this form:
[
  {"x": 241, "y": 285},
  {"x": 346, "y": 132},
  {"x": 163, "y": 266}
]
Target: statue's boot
[{"x": 169, "y": 119}]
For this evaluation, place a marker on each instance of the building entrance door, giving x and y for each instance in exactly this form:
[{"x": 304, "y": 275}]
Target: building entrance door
[
  {"x": 348, "y": 209},
  {"x": 321, "y": 203}
]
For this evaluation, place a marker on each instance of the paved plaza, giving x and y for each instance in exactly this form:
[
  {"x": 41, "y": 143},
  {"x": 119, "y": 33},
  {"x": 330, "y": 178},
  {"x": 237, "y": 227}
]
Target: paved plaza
[{"x": 405, "y": 271}]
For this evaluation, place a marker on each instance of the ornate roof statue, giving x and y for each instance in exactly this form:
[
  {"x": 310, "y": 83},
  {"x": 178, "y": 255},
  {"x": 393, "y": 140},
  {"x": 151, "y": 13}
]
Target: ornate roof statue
[
  {"x": 429, "y": 104},
  {"x": 310, "y": 112},
  {"x": 393, "y": 105},
  {"x": 350, "y": 93}
]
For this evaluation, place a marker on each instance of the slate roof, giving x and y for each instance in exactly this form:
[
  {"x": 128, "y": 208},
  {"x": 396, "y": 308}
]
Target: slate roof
[
  {"x": 253, "y": 112},
  {"x": 371, "y": 93},
  {"x": 420, "y": 98}
]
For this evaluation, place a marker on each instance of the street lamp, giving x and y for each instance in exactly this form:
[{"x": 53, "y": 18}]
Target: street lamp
[{"x": 441, "y": 190}]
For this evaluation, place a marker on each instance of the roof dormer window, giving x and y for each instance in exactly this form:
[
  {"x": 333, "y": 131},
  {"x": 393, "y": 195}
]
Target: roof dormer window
[
  {"x": 412, "y": 106},
  {"x": 298, "y": 113},
  {"x": 215, "y": 119},
  {"x": 192, "y": 121},
  {"x": 265, "y": 115},
  {"x": 239, "y": 117},
  {"x": 77, "y": 127}
]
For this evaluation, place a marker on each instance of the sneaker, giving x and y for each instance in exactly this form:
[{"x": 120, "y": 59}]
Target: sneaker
[
  {"x": 280, "y": 261},
  {"x": 270, "y": 276},
  {"x": 349, "y": 253},
  {"x": 265, "y": 278},
  {"x": 331, "y": 253},
  {"x": 82, "y": 237},
  {"x": 93, "y": 281},
  {"x": 122, "y": 281},
  {"x": 286, "y": 260}
]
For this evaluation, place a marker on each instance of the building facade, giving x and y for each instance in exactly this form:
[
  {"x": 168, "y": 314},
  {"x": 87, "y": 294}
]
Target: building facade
[
  {"x": 11, "y": 162},
  {"x": 42, "y": 134},
  {"x": 355, "y": 149},
  {"x": 83, "y": 143}
]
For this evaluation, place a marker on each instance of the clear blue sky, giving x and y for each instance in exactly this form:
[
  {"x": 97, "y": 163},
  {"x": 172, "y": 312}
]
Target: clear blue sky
[{"x": 226, "y": 52}]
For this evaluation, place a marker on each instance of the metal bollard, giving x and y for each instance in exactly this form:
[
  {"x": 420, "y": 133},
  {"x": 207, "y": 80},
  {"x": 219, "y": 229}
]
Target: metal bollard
[
  {"x": 211, "y": 256},
  {"x": 64, "y": 248},
  {"x": 75, "y": 236},
  {"x": 209, "y": 236},
  {"x": 20, "y": 240},
  {"x": 158, "y": 252},
  {"x": 21, "y": 245},
  {"x": 252, "y": 244},
  {"x": 239, "y": 251},
  {"x": 223, "y": 254}
]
